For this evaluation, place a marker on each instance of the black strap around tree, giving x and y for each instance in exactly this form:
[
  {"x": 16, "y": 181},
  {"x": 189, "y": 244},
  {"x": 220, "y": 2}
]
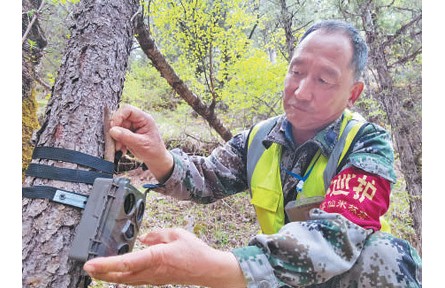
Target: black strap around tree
[
  {"x": 104, "y": 169},
  {"x": 61, "y": 154},
  {"x": 56, "y": 195},
  {"x": 64, "y": 174}
]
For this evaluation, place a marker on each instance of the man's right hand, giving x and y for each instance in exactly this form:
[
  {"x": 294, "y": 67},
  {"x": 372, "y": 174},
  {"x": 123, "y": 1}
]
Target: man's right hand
[{"x": 136, "y": 131}]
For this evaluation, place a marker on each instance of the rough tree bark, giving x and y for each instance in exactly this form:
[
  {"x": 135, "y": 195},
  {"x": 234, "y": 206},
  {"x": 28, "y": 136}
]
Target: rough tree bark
[
  {"x": 158, "y": 60},
  {"x": 405, "y": 126},
  {"x": 31, "y": 55},
  {"x": 90, "y": 78}
]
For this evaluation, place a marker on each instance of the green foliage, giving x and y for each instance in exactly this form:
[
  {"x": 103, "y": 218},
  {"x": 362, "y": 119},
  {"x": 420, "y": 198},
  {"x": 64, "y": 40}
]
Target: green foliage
[
  {"x": 145, "y": 88},
  {"x": 398, "y": 214},
  {"x": 254, "y": 89},
  {"x": 207, "y": 44},
  {"x": 182, "y": 128},
  {"x": 202, "y": 39},
  {"x": 32, "y": 44},
  {"x": 372, "y": 109},
  {"x": 63, "y": 2},
  {"x": 31, "y": 12}
]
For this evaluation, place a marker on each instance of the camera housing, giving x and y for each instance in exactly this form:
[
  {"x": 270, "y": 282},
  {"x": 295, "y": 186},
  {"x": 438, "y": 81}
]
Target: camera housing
[{"x": 110, "y": 221}]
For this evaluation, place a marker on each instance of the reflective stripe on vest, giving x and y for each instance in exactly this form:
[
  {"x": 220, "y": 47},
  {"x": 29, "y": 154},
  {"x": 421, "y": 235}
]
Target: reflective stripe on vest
[{"x": 263, "y": 170}]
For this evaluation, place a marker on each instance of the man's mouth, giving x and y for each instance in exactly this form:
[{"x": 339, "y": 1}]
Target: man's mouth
[{"x": 299, "y": 107}]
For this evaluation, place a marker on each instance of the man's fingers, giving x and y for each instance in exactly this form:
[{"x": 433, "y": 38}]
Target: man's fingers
[
  {"x": 135, "y": 268},
  {"x": 126, "y": 115},
  {"x": 131, "y": 262},
  {"x": 129, "y": 278},
  {"x": 126, "y": 137},
  {"x": 117, "y": 133},
  {"x": 161, "y": 236},
  {"x": 114, "y": 277},
  {"x": 123, "y": 263}
]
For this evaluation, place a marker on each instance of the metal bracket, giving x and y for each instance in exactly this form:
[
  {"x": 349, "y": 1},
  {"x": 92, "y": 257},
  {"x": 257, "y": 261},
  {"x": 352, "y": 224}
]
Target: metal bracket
[{"x": 70, "y": 198}]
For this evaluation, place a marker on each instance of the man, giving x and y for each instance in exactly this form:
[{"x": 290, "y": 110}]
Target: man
[{"x": 283, "y": 161}]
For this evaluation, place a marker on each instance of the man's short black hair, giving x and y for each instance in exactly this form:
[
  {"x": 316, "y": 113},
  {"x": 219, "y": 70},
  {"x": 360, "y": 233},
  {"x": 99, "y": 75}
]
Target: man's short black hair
[{"x": 360, "y": 49}]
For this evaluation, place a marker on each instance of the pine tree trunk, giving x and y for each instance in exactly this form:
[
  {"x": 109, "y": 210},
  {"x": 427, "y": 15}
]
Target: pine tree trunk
[
  {"x": 404, "y": 125},
  {"x": 90, "y": 78}
]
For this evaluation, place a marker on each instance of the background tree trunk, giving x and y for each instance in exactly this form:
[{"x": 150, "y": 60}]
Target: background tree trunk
[
  {"x": 33, "y": 44},
  {"x": 286, "y": 22},
  {"x": 399, "y": 109},
  {"x": 90, "y": 78}
]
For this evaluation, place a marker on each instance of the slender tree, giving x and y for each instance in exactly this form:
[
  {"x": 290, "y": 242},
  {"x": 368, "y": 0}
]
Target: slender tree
[
  {"x": 404, "y": 121},
  {"x": 90, "y": 78},
  {"x": 393, "y": 52}
]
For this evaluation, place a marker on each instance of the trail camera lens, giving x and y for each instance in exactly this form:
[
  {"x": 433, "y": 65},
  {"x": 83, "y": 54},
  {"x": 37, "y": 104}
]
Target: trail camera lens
[
  {"x": 130, "y": 201},
  {"x": 124, "y": 248},
  {"x": 128, "y": 231},
  {"x": 140, "y": 211}
]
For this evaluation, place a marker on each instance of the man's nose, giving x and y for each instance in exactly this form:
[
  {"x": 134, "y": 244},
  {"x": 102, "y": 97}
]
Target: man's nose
[{"x": 303, "y": 90}]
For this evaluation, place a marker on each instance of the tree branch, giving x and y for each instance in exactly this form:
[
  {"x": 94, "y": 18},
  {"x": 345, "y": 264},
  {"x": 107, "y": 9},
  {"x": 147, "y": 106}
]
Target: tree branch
[
  {"x": 391, "y": 38},
  {"x": 406, "y": 58},
  {"x": 33, "y": 20},
  {"x": 43, "y": 83},
  {"x": 168, "y": 73}
]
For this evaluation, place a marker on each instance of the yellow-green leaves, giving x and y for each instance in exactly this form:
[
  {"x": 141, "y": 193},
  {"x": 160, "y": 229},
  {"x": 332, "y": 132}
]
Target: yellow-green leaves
[{"x": 202, "y": 39}]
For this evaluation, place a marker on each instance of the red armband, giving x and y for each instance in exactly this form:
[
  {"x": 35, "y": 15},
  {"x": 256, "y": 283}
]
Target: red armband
[{"x": 359, "y": 196}]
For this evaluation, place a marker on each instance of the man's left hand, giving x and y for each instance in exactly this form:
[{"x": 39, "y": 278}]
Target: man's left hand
[{"x": 175, "y": 256}]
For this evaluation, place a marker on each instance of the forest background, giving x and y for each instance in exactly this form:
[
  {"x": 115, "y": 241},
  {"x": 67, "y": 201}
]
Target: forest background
[{"x": 241, "y": 83}]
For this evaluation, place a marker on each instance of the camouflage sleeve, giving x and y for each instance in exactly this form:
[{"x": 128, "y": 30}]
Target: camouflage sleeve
[
  {"x": 303, "y": 253},
  {"x": 329, "y": 251},
  {"x": 373, "y": 152},
  {"x": 207, "y": 179}
]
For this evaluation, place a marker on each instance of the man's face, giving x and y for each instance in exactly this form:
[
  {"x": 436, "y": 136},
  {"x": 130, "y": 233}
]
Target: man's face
[{"x": 319, "y": 84}]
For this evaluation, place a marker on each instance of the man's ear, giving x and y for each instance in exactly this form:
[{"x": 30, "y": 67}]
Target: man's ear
[{"x": 356, "y": 90}]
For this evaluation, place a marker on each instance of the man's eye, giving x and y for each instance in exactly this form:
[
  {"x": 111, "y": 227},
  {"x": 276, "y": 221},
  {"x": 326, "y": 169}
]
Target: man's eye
[
  {"x": 324, "y": 81},
  {"x": 294, "y": 72}
]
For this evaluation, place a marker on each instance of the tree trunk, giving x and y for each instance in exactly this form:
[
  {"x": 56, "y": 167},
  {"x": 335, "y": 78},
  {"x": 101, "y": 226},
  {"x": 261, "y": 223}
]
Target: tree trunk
[
  {"x": 405, "y": 126},
  {"x": 90, "y": 78},
  {"x": 32, "y": 47},
  {"x": 287, "y": 20}
]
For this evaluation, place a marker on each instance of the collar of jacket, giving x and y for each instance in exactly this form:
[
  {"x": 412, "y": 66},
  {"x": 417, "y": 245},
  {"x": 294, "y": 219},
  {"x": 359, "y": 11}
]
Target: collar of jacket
[{"x": 325, "y": 139}]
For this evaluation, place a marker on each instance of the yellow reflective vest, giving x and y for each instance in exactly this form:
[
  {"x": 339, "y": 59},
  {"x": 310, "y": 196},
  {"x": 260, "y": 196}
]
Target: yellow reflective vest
[{"x": 263, "y": 171}]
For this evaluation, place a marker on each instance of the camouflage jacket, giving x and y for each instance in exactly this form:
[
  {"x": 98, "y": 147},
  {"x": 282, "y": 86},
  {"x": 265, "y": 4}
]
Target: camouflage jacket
[{"x": 330, "y": 248}]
